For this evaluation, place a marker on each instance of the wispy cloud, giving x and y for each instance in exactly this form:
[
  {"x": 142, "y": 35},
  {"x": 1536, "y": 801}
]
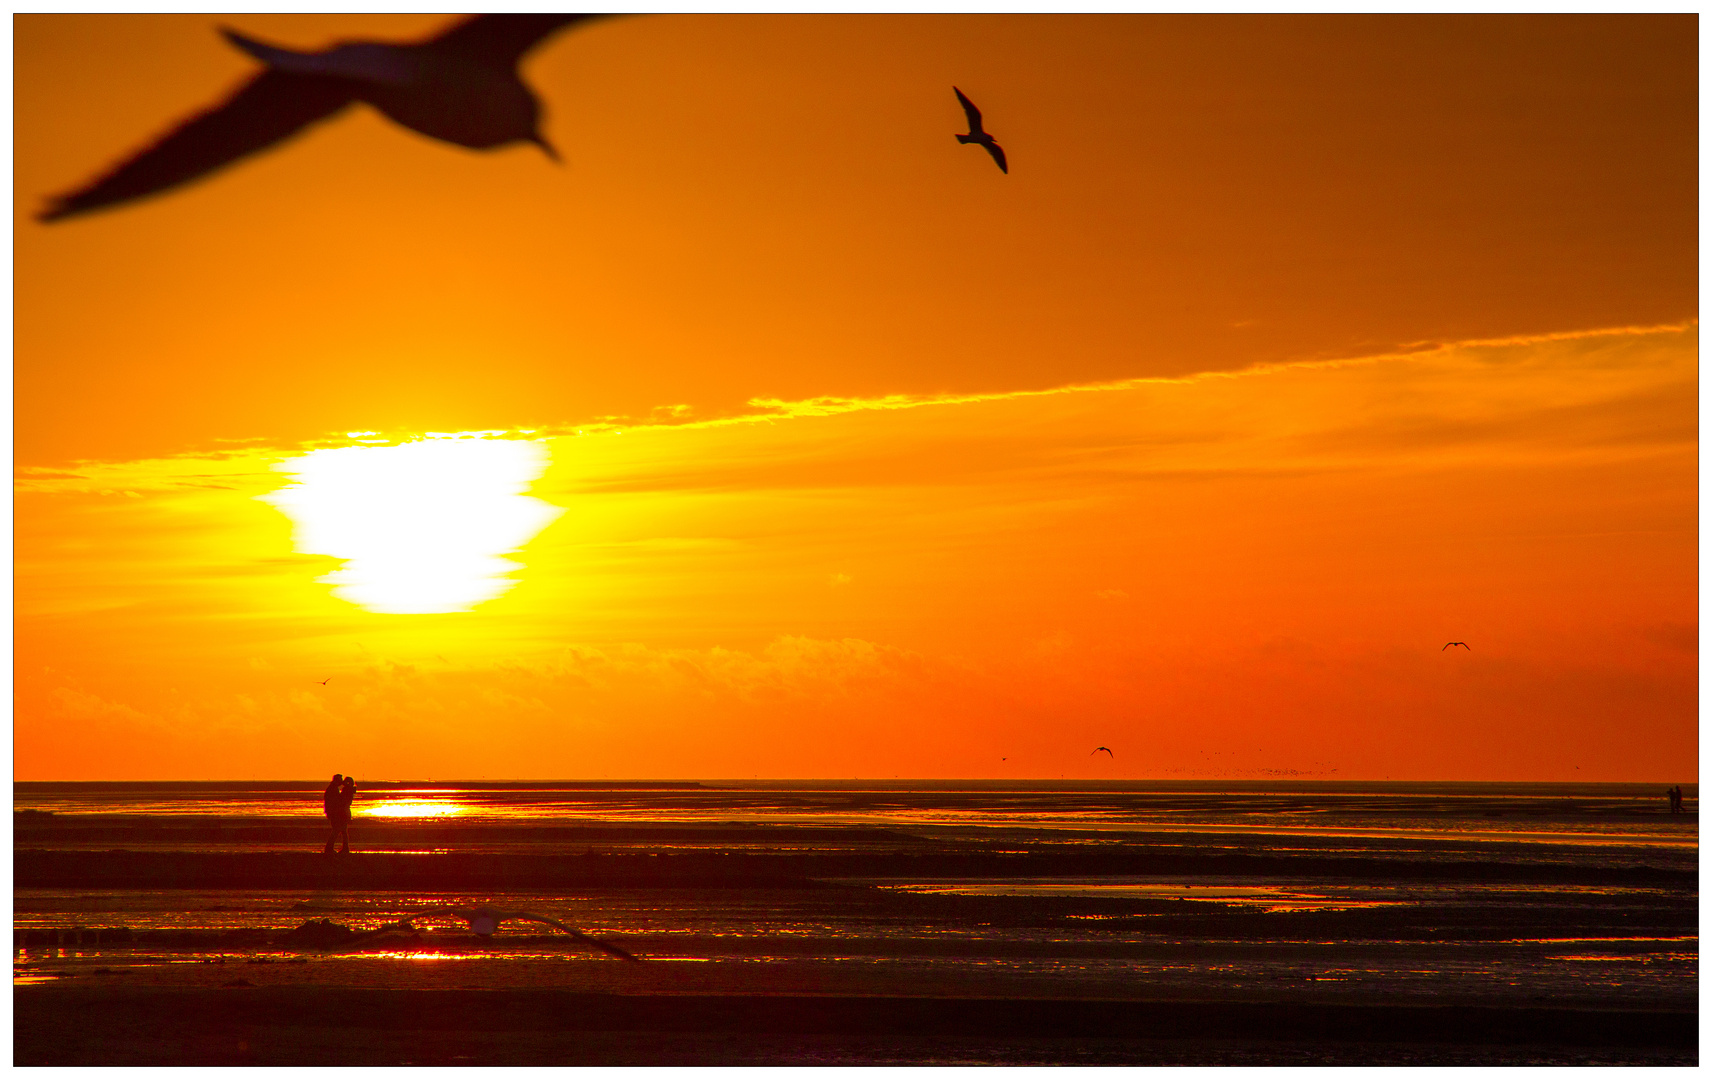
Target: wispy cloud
[
  {"x": 253, "y": 463},
  {"x": 1157, "y": 561}
]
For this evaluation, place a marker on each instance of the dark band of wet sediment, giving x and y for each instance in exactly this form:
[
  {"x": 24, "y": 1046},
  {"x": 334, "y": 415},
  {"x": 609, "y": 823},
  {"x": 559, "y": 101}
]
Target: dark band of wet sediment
[{"x": 1365, "y": 929}]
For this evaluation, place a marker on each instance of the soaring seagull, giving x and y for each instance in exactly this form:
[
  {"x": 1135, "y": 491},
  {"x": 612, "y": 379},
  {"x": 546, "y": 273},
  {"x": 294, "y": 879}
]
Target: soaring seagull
[
  {"x": 1097, "y": 749},
  {"x": 484, "y": 920},
  {"x": 1448, "y": 644},
  {"x": 976, "y": 135},
  {"x": 461, "y": 87}
]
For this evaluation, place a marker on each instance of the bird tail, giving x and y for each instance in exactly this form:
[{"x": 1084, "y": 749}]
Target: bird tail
[
  {"x": 967, "y": 139},
  {"x": 271, "y": 55}
]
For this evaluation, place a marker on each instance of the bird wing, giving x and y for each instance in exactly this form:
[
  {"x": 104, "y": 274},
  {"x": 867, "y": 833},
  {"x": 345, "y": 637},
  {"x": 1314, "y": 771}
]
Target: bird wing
[
  {"x": 969, "y": 110},
  {"x": 432, "y": 911},
  {"x": 578, "y": 934},
  {"x": 998, "y": 153},
  {"x": 269, "y": 108},
  {"x": 501, "y": 40}
]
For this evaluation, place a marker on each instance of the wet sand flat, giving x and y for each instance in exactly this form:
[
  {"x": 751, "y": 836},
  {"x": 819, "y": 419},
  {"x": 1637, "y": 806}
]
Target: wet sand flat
[{"x": 839, "y": 925}]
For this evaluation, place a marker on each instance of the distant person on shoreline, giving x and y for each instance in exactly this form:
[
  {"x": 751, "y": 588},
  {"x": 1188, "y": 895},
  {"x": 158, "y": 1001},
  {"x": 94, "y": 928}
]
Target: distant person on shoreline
[
  {"x": 1675, "y": 794},
  {"x": 336, "y": 804},
  {"x": 329, "y": 804},
  {"x": 347, "y": 795}
]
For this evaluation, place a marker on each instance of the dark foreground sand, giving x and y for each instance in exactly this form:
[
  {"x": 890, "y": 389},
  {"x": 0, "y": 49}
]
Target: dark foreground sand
[
  {"x": 83, "y": 1025},
  {"x": 169, "y": 940}
]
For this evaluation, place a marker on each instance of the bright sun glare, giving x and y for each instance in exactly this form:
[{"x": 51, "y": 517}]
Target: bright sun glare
[
  {"x": 422, "y": 526},
  {"x": 413, "y": 808}
]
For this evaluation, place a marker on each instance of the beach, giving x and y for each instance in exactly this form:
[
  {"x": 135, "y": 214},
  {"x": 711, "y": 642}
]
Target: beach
[{"x": 859, "y": 922}]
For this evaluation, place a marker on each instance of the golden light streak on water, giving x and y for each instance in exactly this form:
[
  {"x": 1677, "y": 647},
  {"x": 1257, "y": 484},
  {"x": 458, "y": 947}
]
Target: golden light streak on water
[
  {"x": 423, "y": 526},
  {"x": 413, "y": 808},
  {"x": 419, "y": 956}
]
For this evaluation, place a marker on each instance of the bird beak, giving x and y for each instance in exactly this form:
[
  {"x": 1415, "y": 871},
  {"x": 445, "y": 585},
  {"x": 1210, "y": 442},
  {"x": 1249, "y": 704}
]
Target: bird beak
[{"x": 546, "y": 147}]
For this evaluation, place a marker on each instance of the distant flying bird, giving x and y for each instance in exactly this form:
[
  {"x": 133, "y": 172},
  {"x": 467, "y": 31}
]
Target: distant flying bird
[
  {"x": 460, "y": 87},
  {"x": 976, "y": 135},
  {"x": 327, "y": 680},
  {"x": 1097, "y": 749},
  {"x": 1448, "y": 644},
  {"x": 484, "y": 920}
]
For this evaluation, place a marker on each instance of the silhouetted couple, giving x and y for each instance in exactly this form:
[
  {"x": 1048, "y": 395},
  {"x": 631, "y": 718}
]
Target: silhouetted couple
[
  {"x": 1675, "y": 794},
  {"x": 336, "y": 804}
]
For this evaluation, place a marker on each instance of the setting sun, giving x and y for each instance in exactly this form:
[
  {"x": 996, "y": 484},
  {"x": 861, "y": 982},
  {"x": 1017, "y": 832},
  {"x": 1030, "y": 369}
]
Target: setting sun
[
  {"x": 1273, "y": 391},
  {"x": 423, "y": 526},
  {"x": 906, "y": 539}
]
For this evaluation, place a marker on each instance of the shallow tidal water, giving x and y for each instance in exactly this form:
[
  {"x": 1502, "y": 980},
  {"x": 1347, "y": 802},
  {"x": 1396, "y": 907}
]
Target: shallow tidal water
[{"x": 1567, "y": 896}]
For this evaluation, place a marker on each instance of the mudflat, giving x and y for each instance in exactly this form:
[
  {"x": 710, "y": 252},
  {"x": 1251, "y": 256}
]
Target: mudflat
[{"x": 842, "y": 924}]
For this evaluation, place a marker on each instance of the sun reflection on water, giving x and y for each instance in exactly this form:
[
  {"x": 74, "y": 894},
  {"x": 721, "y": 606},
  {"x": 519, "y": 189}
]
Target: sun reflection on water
[
  {"x": 414, "y": 808},
  {"x": 422, "y": 956}
]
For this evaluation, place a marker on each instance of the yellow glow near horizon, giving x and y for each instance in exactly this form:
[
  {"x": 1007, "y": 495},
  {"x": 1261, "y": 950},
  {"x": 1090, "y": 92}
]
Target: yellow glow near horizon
[
  {"x": 413, "y": 808},
  {"x": 423, "y": 526}
]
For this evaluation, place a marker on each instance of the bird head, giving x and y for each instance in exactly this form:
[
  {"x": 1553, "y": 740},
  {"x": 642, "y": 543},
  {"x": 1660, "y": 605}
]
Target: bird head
[{"x": 546, "y": 147}]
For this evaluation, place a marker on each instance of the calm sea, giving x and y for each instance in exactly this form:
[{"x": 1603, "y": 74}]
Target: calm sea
[{"x": 1358, "y": 891}]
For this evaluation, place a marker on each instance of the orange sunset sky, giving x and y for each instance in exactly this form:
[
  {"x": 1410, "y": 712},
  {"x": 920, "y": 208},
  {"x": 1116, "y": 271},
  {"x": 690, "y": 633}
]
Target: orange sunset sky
[{"x": 777, "y": 434}]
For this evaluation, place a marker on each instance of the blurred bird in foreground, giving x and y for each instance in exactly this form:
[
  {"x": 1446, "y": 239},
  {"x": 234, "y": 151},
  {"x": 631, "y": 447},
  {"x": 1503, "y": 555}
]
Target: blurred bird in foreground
[
  {"x": 461, "y": 87},
  {"x": 485, "y": 919},
  {"x": 976, "y": 135}
]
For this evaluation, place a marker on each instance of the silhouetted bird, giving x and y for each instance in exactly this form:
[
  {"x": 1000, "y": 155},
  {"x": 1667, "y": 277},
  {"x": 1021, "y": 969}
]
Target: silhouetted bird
[
  {"x": 976, "y": 135},
  {"x": 484, "y": 920},
  {"x": 1448, "y": 644},
  {"x": 460, "y": 87},
  {"x": 327, "y": 680},
  {"x": 1097, "y": 749}
]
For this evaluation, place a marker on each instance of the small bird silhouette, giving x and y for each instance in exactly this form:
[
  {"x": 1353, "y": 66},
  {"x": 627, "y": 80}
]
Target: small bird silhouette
[
  {"x": 1448, "y": 644},
  {"x": 976, "y": 135},
  {"x": 485, "y": 919},
  {"x": 327, "y": 680},
  {"x": 460, "y": 87},
  {"x": 1097, "y": 749}
]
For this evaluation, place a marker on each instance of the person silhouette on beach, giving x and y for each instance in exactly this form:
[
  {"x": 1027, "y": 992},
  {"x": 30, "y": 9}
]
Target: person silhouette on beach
[
  {"x": 347, "y": 793},
  {"x": 1675, "y": 794},
  {"x": 330, "y": 807},
  {"x": 336, "y": 804}
]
